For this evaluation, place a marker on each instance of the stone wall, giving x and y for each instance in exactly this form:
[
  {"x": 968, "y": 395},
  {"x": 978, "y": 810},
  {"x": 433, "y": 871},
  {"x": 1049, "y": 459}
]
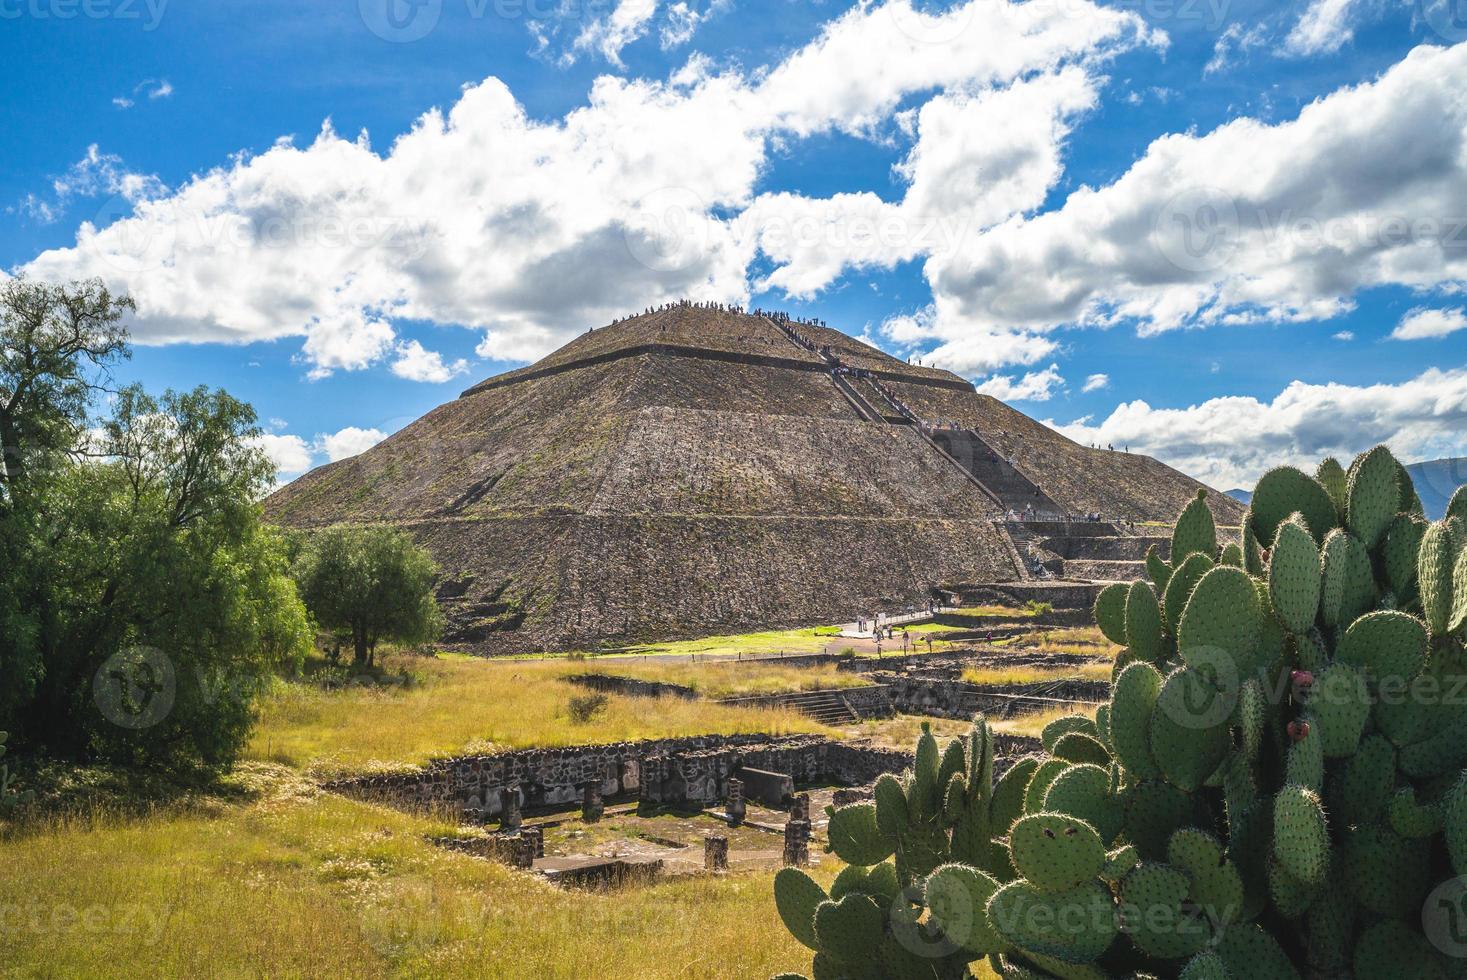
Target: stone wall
[
  {"x": 872, "y": 701},
  {"x": 674, "y": 772},
  {"x": 631, "y": 686}
]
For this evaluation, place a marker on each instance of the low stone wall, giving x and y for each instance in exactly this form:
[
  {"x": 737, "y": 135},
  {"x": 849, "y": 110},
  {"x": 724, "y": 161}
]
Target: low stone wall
[
  {"x": 943, "y": 698},
  {"x": 612, "y": 684},
  {"x": 674, "y": 772}
]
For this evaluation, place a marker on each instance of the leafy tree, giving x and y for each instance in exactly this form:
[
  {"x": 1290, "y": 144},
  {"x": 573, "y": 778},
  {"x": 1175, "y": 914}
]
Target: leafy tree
[
  {"x": 151, "y": 600},
  {"x": 371, "y": 584}
]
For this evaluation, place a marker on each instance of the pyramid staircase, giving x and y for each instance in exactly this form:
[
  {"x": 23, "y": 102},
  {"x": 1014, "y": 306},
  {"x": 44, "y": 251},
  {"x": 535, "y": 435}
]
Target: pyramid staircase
[{"x": 826, "y": 707}]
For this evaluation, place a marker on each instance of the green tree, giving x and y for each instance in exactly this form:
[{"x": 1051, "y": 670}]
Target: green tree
[
  {"x": 371, "y": 584},
  {"x": 150, "y": 601}
]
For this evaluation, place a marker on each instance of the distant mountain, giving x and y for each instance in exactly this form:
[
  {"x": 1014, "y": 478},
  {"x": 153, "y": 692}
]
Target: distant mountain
[{"x": 1436, "y": 480}]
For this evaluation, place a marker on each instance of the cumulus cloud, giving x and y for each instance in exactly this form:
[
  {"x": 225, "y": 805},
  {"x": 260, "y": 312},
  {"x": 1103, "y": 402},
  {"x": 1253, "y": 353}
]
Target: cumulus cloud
[
  {"x": 531, "y": 230},
  {"x": 95, "y": 174},
  {"x": 417, "y": 363},
  {"x": 1329, "y": 204},
  {"x": 1096, "y": 382},
  {"x": 1231, "y": 441},
  {"x": 347, "y": 442},
  {"x": 1036, "y": 386},
  {"x": 684, "y": 19},
  {"x": 290, "y": 454},
  {"x": 607, "y": 35},
  {"x": 1324, "y": 27},
  {"x": 1344, "y": 336},
  {"x": 1423, "y": 324}
]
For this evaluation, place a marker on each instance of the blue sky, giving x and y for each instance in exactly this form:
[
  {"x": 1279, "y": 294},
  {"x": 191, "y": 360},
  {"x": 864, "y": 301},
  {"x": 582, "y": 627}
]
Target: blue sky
[{"x": 1229, "y": 233}]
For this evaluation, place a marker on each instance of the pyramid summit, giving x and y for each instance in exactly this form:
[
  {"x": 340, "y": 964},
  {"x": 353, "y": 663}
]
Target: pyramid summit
[{"x": 699, "y": 469}]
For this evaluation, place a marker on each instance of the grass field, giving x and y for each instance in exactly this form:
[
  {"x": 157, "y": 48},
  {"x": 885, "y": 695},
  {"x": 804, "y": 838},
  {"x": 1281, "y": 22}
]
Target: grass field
[
  {"x": 301, "y": 884},
  {"x": 728, "y": 680},
  {"x": 459, "y": 705},
  {"x": 1007, "y": 676}
]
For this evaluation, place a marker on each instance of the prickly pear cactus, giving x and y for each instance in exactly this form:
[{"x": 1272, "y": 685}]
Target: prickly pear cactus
[{"x": 1277, "y": 784}]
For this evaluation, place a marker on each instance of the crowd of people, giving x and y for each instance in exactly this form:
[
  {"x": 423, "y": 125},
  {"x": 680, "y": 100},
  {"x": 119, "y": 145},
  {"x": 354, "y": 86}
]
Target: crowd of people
[{"x": 778, "y": 316}]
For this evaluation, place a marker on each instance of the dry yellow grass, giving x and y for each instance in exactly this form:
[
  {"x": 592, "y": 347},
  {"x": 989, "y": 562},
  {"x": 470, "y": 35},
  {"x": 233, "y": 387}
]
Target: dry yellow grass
[
  {"x": 1032, "y": 724},
  {"x": 1005, "y": 676},
  {"x": 726, "y": 680},
  {"x": 464, "y": 705},
  {"x": 301, "y": 885}
]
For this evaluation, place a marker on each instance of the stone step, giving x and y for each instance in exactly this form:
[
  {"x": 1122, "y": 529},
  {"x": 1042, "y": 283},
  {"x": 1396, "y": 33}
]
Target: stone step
[{"x": 1119, "y": 548}]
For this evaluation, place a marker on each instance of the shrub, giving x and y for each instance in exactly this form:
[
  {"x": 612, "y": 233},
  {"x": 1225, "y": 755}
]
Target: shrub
[
  {"x": 584, "y": 707},
  {"x": 1273, "y": 791},
  {"x": 10, "y": 798}
]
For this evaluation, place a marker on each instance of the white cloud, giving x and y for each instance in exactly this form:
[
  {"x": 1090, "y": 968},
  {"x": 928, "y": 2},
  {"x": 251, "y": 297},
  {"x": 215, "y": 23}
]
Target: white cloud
[
  {"x": 1233, "y": 45},
  {"x": 94, "y": 175},
  {"x": 971, "y": 350},
  {"x": 290, "y": 454},
  {"x": 1324, "y": 27},
  {"x": 1345, "y": 336},
  {"x": 635, "y": 197},
  {"x": 417, "y": 363},
  {"x": 1096, "y": 382},
  {"x": 149, "y": 88},
  {"x": 1329, "y": 204},
  {"x": 1422, "y": 323},
  {"x": 1036, "y": 386},
  {"x": 1231, "y": 441},
  {"x": 347, "y": 442},
  {"x": 607, "y": 35},
  {"x": 683, "y": 21}
]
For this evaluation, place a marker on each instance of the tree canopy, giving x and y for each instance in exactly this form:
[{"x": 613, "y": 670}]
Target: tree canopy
[
  {"x": 370, "y": 584},
  {"x": 147, "y": 601}
]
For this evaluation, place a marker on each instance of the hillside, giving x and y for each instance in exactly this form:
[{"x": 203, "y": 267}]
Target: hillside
[{"x": 694, "y": 470}]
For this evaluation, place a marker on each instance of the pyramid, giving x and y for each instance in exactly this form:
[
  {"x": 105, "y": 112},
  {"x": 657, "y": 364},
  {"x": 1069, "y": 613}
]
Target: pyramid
[{"x": 697, "y": 470}]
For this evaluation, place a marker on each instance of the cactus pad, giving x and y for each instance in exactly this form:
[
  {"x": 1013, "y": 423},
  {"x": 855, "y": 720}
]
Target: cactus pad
[
  {"x": 1189, "y": 734},
  {"x": 1360, "y": 791},
  {"x": 1249, "y": 951},
  {"x": 1386, "y": 873},
  {"x": 1084, "y": 791},
  {"x": 1224, "y": 616},
  {"x": 1179, "y": 587},
  {"x": 1289, "y": 895},
  {"x": 1374, "y": 495},
  {"x": 1336, "y": 482},
  {"x": 1434, "y": 566},
  {"x": 855, "y": 838},
  {"x": 1217, "y": 887},
  {"x": 796, "y": 896},
  {"x": 1152, "y": 912},
  {"x": 850, "y": 929},
  {"x": 1385, "y": 644},
  {"x": 1079, "y": 747},
  {"x": 1402, "y": 552},
  {"x": 1349, "y": 580},
  {"x": 1110, "y": 612},
  {"x": 1063, "y": 726},
  {"x": 1143, "y": 623},
  {"x": 1294, "y": 578},
  {"x": 958, "y": 897},
  {"x": 1286, "y": 491},
  {"x": 1133, "y": 699},
  {"x": 1195, "y": 532},
  {"x": 1340, "y": 705},
  {"x": 1154, "y": 811},
  {"x": 1305, "y": 762},
  {"x": 1410, "y": 818},
  {"x": 1048, "y": 771},
  {"x": 1300, "y": 834},
  {"x": 1076, "y": 925}
]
